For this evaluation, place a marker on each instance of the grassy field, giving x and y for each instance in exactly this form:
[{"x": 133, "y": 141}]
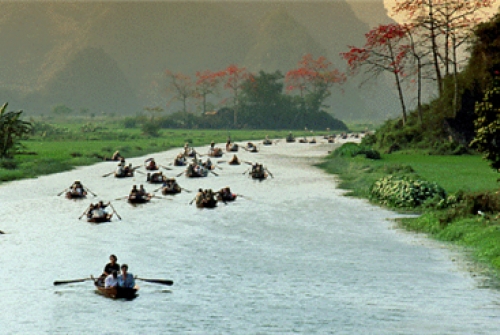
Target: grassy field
[
  {"x": 60, "y": 147},
  {"x": 469, "y": 173}
]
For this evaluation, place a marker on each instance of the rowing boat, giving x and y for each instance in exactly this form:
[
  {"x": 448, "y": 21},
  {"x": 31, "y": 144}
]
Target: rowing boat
[
  {"x": 117, "y": 292},
  {"x": 139, "y": 199},
  {"x": 106, "y": 218}
]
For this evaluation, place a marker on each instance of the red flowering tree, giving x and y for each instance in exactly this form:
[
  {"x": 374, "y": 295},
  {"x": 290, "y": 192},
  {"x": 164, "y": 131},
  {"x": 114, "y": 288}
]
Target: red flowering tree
[
  {"x": 180, "y": 87},
  {"x": 233, "y": 78},
  {"x": 386, "y": 50},
  {"x": 313, "y": 78},
  {"x": 206, "y": 84}
]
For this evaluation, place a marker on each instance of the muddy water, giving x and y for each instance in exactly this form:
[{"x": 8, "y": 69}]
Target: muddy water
[{"x": 294, "y": 256}]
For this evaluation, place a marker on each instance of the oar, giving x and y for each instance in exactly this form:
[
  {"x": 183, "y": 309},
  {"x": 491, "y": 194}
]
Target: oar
[
  {"x": 114, "y": 211},
  {"x": 214, "y": 173},
  {"x": 243, "y": 196},
  {"x": 107, "y": 174},
  {"x": 186, "y": 190},
  {"x": 220, "y": 162},
  {"x": 122, "y": 198},
  {"x": 61, "y": 282},
  {"x": 249, "y": 163},
  {"x": 269, "y": 173},
  {"x": 159, "y": 188},
  {"x": 139, "y": 171},
  {"x": 85, "y": 212},
  {"x": 180, "y": 174},
  {"x": 191, "y": 202},
  {"x": 246, "y": 171},
  {"x": 88, "y": 190},
  {"x": 166, "y": 168},
  {"x": 218, "y": 167},
  {"x": 157, "y": 281},
  {"x": 63, "y": 192}
]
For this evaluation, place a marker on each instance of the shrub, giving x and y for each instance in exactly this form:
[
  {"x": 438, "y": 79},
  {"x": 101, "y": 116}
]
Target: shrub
[{"x": 405, "y": 192}]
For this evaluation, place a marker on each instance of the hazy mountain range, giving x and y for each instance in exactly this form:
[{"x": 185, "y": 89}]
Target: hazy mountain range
[{"x": 111, "y": 56}]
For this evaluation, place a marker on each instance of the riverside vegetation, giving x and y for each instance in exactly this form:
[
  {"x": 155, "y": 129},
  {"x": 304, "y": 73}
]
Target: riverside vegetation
[{"x": 457, "y": 196}]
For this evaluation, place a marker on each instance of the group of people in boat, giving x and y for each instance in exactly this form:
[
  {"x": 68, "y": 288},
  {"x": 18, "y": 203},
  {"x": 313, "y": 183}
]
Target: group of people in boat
[
  {"x": 111, "y": 276},
  {"x": 225, "y": 194},
  {"x": 213, "y": 151},
  {"x": 150, "y": 164},
  {"x": 97, "y": 212},
  {"x": 206, "y": 198},
  {"x": 138, "y": 193},
  {"x": 170, "y": 186},
  {"x": 76, "y": 190},
  {"x": 124, "y": 170},
  {"x": 198, "y": 168}
]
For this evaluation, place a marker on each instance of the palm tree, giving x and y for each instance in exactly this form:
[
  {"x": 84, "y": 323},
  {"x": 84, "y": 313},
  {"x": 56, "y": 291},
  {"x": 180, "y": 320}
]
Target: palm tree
[{"x": 12, "y": 129}]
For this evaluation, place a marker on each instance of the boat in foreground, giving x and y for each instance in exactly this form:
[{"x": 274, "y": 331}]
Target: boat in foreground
[{"x": 117, "y": 292}]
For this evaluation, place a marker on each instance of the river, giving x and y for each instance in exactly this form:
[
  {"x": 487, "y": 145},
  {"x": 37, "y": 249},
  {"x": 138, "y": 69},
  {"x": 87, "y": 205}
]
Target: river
[{"x": 293, "y": 256}]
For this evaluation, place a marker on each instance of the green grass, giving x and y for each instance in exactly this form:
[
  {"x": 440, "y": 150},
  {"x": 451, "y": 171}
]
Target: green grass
[{"x": 469, "y": 173}]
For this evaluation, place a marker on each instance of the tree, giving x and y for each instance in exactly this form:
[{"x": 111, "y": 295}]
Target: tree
[
  {"x": 448, "y": 24},
  {"x": 181, "y": 88},
  {"x": 487, "y": 124},
  {"x": 233, "y": 78},
  {"x": 314, "y": 79},
  {"x": 206, "y": 84},
  {"x": 384, "y": 51},
  {"x": 12, "y": 130}
]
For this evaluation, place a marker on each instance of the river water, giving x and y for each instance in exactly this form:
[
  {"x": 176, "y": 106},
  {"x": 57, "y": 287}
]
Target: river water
[{"x": 294, "y": 256}]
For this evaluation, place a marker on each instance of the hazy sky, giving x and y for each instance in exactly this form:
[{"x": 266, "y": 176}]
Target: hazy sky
[{"x": 390, "y": 3}]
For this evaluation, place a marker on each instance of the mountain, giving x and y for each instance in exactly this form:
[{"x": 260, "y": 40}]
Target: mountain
[{"x": 46, "y": 45}]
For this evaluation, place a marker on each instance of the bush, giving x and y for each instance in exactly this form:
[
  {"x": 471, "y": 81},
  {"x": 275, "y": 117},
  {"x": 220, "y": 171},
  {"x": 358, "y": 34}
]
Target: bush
[
  {"x": 353, "y": 149},
  {"x": 405, "y": 192}
]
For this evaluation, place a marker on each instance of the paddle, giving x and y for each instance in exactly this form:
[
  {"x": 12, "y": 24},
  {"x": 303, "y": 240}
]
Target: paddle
[
  {"x": 218, "y": 167},
  {"x": 63, "y": 192},
  {"x": 220, "y": 162},
  {"x": 246, "y": 171},
  {"x": 88, "y": 190},
  {"x": 114, "y": 211},
  {"x": 166, "y": 168},
  {"x": 180, "y": 174},
  {"x": 61, "y": 282},
  {"x": 186, "y": 190},
  {"x": 214, "y": 173},
  {"x": 138, "y": 171},
  {"x": 159, "y": 188},
  {"x": 157, "y": 281},
  {"x": 108, "y": 174},
  {"x": 249, "y": 163},
  {"x": 269, "y": 173},
  {"x": 85, "y": 212},
  {"x": 243, "y": 196},
  {"x": 191, "y": 202}
]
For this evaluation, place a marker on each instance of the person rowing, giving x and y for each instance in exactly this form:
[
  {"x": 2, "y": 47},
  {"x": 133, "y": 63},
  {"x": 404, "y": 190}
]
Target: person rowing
[
  {"x": 234, "y": 161},
  {"x": 116, "y": 156},
  {"x": 76, "y": 190},
  {"x": 225, "y": 194},
  {"x": 151, "y": 164},
  {"x": 170, "y": 186},
  {"x": 156, "y": 177},
  {"x": 108, "y": 269}
]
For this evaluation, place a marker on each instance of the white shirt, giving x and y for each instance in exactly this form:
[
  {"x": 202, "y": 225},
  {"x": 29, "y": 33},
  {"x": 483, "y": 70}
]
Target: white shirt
[{"x": 110, "y": 281}]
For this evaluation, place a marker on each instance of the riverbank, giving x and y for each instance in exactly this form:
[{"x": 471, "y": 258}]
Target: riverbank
[
  {"x": 468, "y": 222},
  {"x": 62, "y": 147}
]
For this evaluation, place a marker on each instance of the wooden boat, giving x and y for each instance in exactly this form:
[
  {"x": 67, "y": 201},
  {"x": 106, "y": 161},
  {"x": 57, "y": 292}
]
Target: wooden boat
[
  {"x": 155, "y": 178},
  {"x": 303, "y": 140},
  {"x": 233, "y": 147},
  {"x": 290, "y": 139},
  {"x": 117, "y": 292},
  {"x": 313, "y": 141},
  {"x": 226, "y": 198},
  {"x": 106, "y": 218},
  {"x": 125, "y": 175},
  {"x": 234, "y": 162},
  {"x": 207, "y": 204},
  {"x": 216, "y": 152},
  {"x": 169, "y": 191},
  {"x": 139, "y": 199},
  {"x": 70, "y": 195},
  {"x": 258, "y": 175},
  {"x": 267, "y": 142},
  {"x": 203, "y": 173},
  {"x": 179, "y": 162}
]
